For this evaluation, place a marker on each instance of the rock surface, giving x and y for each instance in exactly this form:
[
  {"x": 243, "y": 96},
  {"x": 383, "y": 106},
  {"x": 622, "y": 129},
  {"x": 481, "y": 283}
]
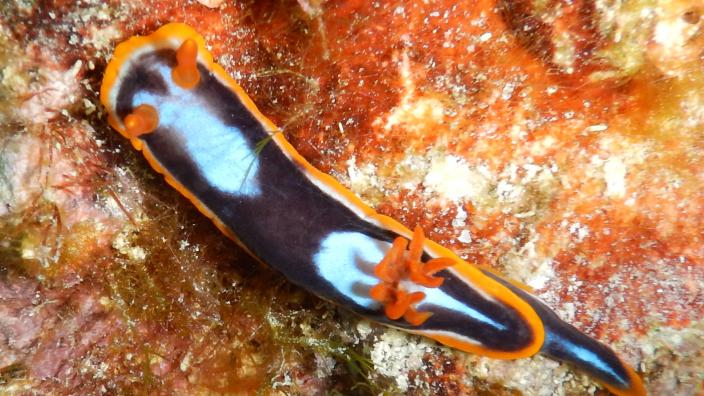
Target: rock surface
[{"x": 557, "y": 142}]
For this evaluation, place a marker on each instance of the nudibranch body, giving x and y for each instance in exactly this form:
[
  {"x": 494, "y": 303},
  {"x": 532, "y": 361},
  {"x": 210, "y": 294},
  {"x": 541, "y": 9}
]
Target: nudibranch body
[{"x": 197, "y": 127}]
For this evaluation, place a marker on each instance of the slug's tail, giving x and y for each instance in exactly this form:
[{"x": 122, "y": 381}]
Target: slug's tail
[{"x": 565, "y": 343}]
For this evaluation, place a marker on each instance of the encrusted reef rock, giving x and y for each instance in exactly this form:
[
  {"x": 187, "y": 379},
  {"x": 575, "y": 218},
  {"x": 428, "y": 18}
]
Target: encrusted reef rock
[{"x": 559, "y": 143}]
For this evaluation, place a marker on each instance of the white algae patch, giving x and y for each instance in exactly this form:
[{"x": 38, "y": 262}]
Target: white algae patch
[
  {"x": 396, "y": 354},
  {"x": 451, "y": 177}
]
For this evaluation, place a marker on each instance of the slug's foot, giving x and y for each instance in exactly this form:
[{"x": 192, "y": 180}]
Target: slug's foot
[{"x": 401, "y": 264}]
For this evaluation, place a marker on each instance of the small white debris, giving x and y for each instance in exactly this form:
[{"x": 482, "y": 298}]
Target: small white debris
[
  {"x": 509, "y": 192},
  {"x": 211, "y": 3},
  {"x": 364, "y": 329},
  {"x": 90, "y": 107},
  {"x": 362, "y": 178},
  {"x": 507, "y": 91},
  {"x": 123, "y": 244},
  {"x": 615, "y": 177},
  {"x": 597, "y": 128},
  {"x": 460, "y": 219},
  {"x": 185, "y": 362},
  {"x": 485, "y": 37},
  {"x": 525, "y": 215},
  {"x": 183, "y": 244},
  {"x": 465, "y": 236},
  {"x": 579, "y": 230}
]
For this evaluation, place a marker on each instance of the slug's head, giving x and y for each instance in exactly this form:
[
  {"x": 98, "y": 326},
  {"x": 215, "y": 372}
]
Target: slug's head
[
  {"x": 191, "y": 120},
  {"x": 146, "y": 71}
]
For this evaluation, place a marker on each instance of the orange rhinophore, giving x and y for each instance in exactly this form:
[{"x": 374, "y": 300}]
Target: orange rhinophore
[
  {"x": 143, "y": 119},
  {"x": 186, "y": 74}
]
